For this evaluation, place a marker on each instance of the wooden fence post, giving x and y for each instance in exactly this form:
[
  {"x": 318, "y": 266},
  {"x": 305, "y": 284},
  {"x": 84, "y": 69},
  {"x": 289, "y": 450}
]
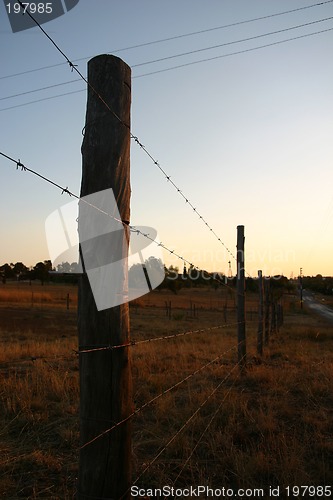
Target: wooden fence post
[
  {"x": 267, "y": 308},
  {"x": 260, "y": 315},
  {"x": 273, "y": 316},
  {"x": 105, "y": 375},
  {"x": 241, "y": 297}
]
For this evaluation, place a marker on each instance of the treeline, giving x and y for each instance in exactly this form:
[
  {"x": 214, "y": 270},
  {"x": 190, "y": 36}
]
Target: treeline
[
  {"x": 21, "y": 272},
  {"x": 173, "y": 279},
  {"x": 318, "y": 284}
]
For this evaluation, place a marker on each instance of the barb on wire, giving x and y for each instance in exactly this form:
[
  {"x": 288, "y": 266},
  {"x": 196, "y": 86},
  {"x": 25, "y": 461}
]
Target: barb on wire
[
  {"x": 134, "y": 137},
  {"x": 87, "y": 350},
  {"x": 138, "y": 410},
  {"x": 184, "y": 425}
]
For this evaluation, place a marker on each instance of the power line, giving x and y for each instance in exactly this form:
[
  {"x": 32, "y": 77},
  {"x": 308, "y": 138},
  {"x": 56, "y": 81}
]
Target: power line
[
  {"x": 243, "y": 51},
  {"x": 135, "y": 138},
  {"x": 232, "y": 43},
  {"x": 40, "y": 89},
  {"x": 182, "y": 54},
  {"x": 184, "y": 35},
  {"x": 43, "y": 99}
]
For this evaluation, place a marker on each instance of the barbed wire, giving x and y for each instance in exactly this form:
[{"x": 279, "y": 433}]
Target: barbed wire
[
  {"x": 193, "y": 415},
  {"x": 183, "y": 35},
  {"x": 83, "y": 350},
  {"x": 148, "y": 403},
  {"x": 124, "y": 224},
  {"x": 198, "y": 441},
  {"x": 134, "y": 137}
]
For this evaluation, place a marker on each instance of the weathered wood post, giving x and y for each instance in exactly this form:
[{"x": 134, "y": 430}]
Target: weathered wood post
[
  {"x": 260, "y": 315},
  {"x": 267, "y": 308},
  {"x": 273, "y": 316},
  {"x": 241, "y": 297},
  {"x": 105, "y": 375}
]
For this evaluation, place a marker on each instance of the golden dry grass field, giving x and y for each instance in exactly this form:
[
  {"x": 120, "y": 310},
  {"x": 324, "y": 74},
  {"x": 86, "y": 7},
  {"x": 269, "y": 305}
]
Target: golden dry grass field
[{"x": 273, "y": 425}]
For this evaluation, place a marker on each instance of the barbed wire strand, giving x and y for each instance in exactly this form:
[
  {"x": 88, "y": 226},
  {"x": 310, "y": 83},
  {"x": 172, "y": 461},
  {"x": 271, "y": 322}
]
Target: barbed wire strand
[
  {"x": 184, "y": 35},
  {"x": 206, "y": 428},
  {"x": 133, "y": 229},
  {"x": 82, "y": 350},
  {"x": 135, "y": 138},
  {"x": 183, "y": 426},
  {"x": 148, "y": 403}
]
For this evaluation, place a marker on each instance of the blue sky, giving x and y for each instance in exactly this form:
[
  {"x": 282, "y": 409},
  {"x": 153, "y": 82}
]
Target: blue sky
[{"x": 248, "y": 137}]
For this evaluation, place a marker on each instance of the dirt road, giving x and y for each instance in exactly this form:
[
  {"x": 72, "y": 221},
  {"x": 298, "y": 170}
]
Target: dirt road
[{"x": 321, "y": 309}]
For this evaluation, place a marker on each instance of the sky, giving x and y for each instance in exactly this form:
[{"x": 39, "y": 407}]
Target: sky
[{"x": 246, "y": 136}]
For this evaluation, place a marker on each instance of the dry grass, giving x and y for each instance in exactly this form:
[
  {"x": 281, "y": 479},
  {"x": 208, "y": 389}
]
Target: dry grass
[{"x": 273, "y": 427}]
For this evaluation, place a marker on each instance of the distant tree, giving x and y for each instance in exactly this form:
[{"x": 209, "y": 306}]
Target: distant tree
[
  {"x": 20, "y": 269},
  {"x": 41, "y": 271},
  {"x": 154, "y": 269},
  {"x": 64, "y": 267},
  {"x": 6, "y": 272},
  {"x": 75, "y": 267},
  {"x": 135, "y": 276}
]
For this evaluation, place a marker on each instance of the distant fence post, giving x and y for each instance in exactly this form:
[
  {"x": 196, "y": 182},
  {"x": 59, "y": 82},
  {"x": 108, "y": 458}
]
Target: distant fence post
[
  {"x": 105, "y": 375},
  {"x": 273, "y": 316},
  {"x": 241, "y": 297},
  {"x": 260, "y": 315},
  {"x": 267, "y": 303},
  {"x": 168, "y": 308}
]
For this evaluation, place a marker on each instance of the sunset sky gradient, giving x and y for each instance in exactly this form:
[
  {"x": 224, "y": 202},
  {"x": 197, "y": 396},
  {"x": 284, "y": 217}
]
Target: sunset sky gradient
[{"x": 246, "y": 137}]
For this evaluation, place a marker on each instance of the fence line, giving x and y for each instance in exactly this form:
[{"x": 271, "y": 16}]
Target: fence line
[
  {"x": 184, "y": 426},
  {"x": 138, "y": 410},
  {"x": 86, "y": 349},
  {"x": 208, "y": 425},
  {"x": 133, "y": 229},
  {"x": 82, "y": 350}
]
